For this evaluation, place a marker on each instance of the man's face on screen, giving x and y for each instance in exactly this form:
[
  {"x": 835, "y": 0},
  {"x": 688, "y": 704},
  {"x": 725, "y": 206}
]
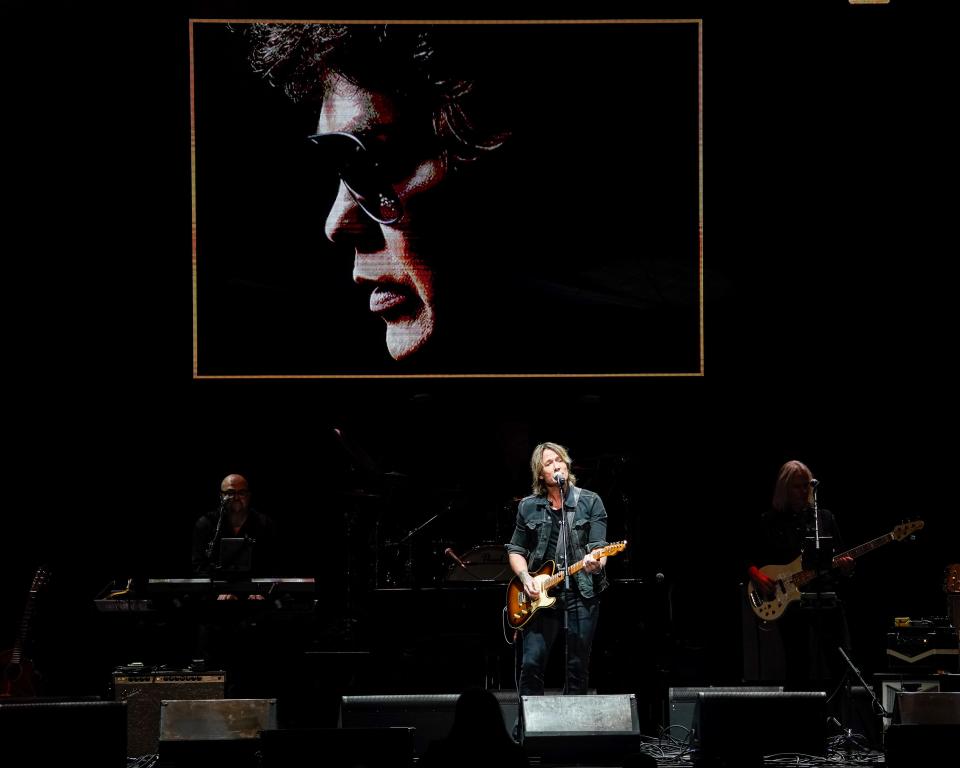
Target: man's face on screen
[{"x": 385, "y": 164}]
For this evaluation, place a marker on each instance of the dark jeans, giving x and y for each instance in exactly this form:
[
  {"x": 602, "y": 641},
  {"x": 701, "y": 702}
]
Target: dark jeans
[{"x": 538, "y": 637}]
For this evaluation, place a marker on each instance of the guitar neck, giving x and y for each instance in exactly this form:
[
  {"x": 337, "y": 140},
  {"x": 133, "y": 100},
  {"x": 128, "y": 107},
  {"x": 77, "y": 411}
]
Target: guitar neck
[
  {"x": 805, "y": 577},
  {"x": 17, "y": 650},
  {"x": 559, "y": 575},
  {"x": 864, "y": 548},
  {"x": 610, "y": 549}
]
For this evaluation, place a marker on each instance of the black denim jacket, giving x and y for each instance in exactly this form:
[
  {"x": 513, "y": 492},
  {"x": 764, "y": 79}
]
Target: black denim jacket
[{"x": 531, "y": 536}]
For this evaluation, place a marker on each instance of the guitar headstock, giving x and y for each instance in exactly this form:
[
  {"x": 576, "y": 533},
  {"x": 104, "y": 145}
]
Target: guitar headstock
[
  {"x": 613, "y": 547},
  {"x": 905, "y": 529},
  {"x": 40, "y": 579}
]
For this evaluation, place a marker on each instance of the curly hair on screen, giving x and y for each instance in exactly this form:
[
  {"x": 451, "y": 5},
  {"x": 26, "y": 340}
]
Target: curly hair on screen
[{"x": 447, "y": 72}]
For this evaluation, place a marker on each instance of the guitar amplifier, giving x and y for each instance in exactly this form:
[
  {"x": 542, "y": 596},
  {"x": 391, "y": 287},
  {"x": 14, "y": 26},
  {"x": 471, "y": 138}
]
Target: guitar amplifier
[
  {"x": 143, "y": 693},
  {"x": 925, "y": 644}
]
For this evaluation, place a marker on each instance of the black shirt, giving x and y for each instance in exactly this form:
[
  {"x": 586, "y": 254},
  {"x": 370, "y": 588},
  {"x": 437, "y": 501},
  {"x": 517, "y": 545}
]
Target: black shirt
[{"x": 258, "y": 528}]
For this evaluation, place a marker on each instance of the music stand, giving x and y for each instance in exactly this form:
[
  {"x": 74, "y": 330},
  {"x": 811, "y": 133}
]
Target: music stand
[{"x": 236, "y": 557}]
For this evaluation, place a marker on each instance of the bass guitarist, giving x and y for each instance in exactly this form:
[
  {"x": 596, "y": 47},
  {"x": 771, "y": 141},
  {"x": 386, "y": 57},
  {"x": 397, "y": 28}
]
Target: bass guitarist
[
  {"x": 813, "y": 628},
  {"x": 559, "y": 512}
]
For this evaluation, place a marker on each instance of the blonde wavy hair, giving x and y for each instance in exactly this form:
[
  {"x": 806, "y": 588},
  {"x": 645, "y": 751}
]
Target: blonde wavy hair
[
  {"x": 536, "y": 466},
  {"x": 787, "y": 472}
]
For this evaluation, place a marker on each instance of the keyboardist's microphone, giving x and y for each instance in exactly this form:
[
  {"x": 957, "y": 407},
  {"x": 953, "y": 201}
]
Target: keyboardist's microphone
[{"x": 453, "y": 556}]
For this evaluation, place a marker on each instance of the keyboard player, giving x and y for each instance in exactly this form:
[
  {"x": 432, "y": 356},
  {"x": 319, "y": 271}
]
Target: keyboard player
[
  {"x": 234, "y": 541},
  {"x": 232, "y": 544}
]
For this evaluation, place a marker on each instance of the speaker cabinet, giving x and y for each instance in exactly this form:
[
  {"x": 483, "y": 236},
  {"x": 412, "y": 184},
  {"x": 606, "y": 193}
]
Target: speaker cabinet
[
  {"x": 927, "y": 708},
  {"x": 683, "y": 707},
  {"x": 143, "y": 694},
  {"x": 739, "y": 727},
  {"x": 214, "y": 731},
  {"x": 59, "y": 733},
  {"x": 430, "y": 714},
  {"x": 925, "y": 729},
  {"x": 216, "y": 719},
  {"x": 574, "y": 728}
]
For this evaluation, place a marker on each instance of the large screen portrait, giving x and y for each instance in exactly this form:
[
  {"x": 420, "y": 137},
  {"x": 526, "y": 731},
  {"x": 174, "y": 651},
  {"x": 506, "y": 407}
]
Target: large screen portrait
[{"x": 446, "y": 199}]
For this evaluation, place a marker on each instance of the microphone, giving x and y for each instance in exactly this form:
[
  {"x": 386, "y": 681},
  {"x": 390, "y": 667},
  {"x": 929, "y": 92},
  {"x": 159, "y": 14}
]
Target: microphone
[
  {"x": 453, "y": 556},
  {"x": 814, "y": 483},
  {"x": 559, "y": 479}
]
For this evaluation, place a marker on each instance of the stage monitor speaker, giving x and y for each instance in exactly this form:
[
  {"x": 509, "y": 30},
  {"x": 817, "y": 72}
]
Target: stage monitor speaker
[
  {"x": 58, "y": 733},
  {"x": 739, "y": 727},
  {"x": 574, "y": 728},
  {"x": 143, "y": 694},
  {"x": 683, "y": 707},
  {"x": 206, "y": 732},
  {"x": 369, "y": 747},
  {"x": 431, "y": 714},
  {"x": 922, "y": 708},
  {"x": 925, "y": 729},
  {"x": 216, "y": 719}
]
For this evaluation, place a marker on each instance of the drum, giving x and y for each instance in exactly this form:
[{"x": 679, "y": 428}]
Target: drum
[{"x": 487, "y": 562}]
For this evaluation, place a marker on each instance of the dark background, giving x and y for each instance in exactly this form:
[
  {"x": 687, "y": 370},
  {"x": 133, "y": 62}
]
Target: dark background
[{"x": 827, "y": 338}]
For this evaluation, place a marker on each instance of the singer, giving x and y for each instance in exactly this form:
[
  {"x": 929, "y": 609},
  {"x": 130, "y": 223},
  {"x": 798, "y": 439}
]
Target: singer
[
  {"x": 812, "y": 629},
  {"x": 563, "y": 523}
]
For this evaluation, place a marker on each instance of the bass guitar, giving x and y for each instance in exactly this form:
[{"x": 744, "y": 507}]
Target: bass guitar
[
  {"x": 521, "y": 607},
  {"x": 790, "y": 577},
  {"x": 18, "y": 675}
]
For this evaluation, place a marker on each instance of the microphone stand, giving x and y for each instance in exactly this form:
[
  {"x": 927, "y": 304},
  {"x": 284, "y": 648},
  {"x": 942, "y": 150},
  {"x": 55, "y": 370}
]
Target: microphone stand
[
  {"x": 216, "y": 534},
  {"x": 818, "y": 567},
  {"x": 410, "y": 565},
  {"x": 879, "y": 709},
  {"x": 876, "y": 702},
  {"x": 816, "y": 523},
  {"x": 565, "y": 590}
]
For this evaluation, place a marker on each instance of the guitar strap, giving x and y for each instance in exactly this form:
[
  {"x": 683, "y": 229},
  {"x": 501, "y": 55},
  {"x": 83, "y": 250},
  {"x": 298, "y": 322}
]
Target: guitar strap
[{"x": 573, "y": 512}]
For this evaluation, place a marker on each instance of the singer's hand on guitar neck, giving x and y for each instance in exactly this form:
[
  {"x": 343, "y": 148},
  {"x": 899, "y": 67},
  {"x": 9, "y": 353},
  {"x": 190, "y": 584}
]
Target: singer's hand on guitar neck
[{"x": 591, "y": 564}]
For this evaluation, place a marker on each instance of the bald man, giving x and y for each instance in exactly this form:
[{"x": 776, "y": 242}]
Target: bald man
[{"x": 235, "y": 518}]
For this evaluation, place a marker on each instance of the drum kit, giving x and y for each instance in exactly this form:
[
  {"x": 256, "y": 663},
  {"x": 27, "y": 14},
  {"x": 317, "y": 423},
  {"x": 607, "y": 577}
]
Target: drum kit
[
  {"x": 429, "y": 552},
  {"x": 423, "y": 537}
]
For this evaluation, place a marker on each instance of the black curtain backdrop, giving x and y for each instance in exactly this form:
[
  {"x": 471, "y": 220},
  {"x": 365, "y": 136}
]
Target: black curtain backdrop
[{"x": 826, "y": 338}]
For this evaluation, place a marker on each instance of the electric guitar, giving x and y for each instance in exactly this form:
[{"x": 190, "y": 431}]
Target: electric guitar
[
  {"x": 18, "y": 675},
  {"x": 521, "y": 607},
  {"x": 790, "y": 577}
]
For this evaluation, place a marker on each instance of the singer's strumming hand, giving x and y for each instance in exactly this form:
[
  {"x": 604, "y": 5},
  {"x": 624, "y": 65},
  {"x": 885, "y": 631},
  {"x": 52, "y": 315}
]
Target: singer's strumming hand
[{"x": 530, "y": 586}]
